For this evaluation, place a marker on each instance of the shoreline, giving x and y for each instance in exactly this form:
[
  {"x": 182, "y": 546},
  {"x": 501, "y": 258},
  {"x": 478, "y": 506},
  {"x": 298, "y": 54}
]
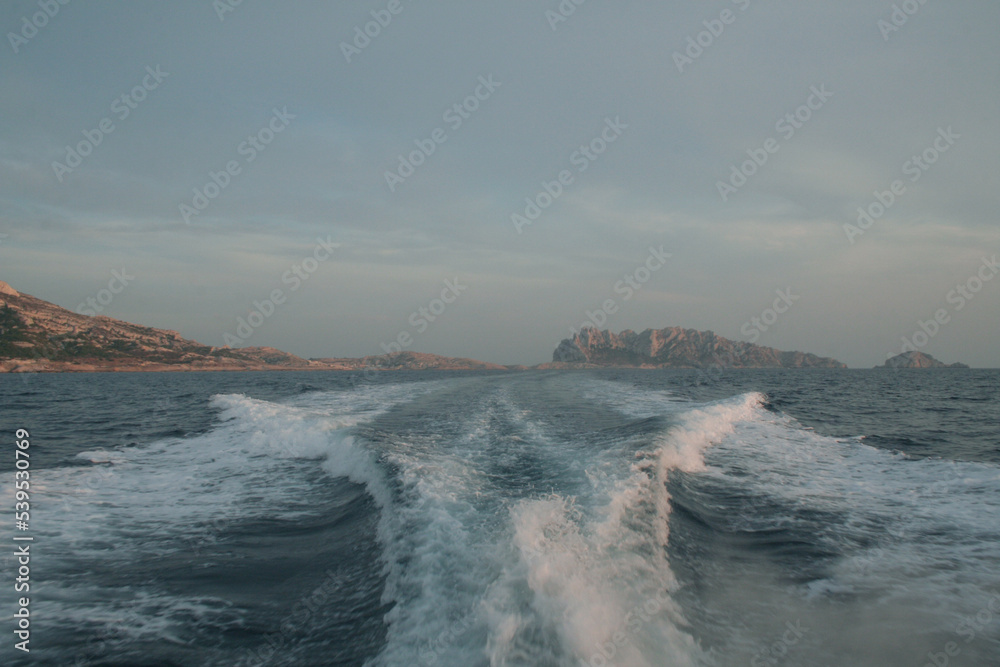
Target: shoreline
[{"x": 17, "y": 367}]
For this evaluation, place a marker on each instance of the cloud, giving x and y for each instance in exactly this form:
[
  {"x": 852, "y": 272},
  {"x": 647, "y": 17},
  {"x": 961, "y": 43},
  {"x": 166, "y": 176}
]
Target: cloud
[{"x": 325, "y": 173}]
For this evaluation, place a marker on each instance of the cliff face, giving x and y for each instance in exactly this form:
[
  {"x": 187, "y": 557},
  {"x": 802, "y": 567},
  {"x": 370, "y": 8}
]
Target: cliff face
[
  {"x": 917, "y": 360},
  {"x": 36, "y": 335},
  {"x": 678, "y": 348}
]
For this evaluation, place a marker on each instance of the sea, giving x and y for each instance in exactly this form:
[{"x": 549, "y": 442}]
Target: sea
[{"x": 471, "y": 519}]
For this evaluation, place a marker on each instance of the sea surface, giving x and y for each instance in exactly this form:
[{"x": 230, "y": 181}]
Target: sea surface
[{"x": 542, "y": 518}]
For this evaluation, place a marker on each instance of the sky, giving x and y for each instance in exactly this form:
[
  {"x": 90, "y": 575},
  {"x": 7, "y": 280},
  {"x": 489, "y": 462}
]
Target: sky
[{"x": 480, "y": 179}]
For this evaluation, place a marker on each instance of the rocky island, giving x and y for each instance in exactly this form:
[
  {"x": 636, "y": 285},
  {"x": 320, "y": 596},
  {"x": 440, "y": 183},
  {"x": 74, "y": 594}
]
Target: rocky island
[
  {"x": 915, "y": 359},
  {"x": 38, "y": 336},
  {"x": 675, "y": 347}
]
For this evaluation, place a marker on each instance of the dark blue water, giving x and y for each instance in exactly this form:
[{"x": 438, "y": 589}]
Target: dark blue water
[{"x": 832, "y": 517}]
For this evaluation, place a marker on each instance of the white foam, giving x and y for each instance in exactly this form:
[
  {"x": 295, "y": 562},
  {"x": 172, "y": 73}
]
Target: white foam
[
  {"x": 597, "y": 577},
  {"x": 919, "y": 538},
  {"x": 544, "y": 579},
  {"x": 684, "y": 445},
  {"x": 574, "y": 574},
  {"x": 632, "y": 401},
  {"x": 178, "y": 493}
]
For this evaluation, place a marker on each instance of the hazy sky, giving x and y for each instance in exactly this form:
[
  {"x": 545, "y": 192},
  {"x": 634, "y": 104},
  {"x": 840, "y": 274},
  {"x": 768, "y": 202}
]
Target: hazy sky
[{"x": 642, "y": 123}]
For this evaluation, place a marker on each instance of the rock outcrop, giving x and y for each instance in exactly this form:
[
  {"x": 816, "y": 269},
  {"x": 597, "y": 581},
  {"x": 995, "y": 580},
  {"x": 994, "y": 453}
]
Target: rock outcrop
[
  {"x": 675, "y": 347},
  {"x": 917, "y": 360},
  {"x": 38, "y": 336}
]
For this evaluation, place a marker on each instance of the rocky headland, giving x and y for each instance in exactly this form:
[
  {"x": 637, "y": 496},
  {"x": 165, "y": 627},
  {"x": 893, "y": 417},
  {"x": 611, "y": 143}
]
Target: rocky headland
[
  {"x": 38, "y": 336},
  {"x": 675, "y": 347},
  {"x": 917, "y": 360}
]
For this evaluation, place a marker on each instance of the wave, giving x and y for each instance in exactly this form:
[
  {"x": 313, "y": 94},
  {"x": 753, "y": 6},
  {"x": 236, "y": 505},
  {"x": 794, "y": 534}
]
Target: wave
[
  {"x": 819, "y": 532},
  {"x": 171, "y": 501},
  {"x": 559, "y": 578},
  {"x": 509, "y": 532}
]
